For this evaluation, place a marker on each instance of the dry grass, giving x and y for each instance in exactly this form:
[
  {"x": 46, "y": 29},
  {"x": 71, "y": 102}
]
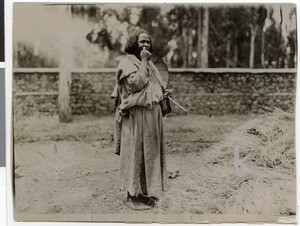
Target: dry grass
[
  {"x": 251, "y": 171},
  {"x": 268, "y": 141}
]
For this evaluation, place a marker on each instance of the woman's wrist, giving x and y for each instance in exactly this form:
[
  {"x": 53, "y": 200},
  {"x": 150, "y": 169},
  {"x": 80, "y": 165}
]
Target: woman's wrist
[
  {"x": 144, "y": 61},
  {"x": 144, "y": 67}
]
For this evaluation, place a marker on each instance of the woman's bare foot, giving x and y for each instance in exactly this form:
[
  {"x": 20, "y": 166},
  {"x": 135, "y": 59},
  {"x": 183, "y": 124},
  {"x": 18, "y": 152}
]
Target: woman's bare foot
[{"x": 149, "y": 201}]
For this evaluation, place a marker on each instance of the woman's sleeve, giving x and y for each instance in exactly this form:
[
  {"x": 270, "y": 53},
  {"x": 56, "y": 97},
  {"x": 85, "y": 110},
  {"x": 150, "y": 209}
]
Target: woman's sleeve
[{"x": 134, "y": 79}]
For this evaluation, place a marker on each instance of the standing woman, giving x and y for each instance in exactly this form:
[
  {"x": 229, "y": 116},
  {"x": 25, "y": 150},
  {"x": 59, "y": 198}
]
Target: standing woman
[{"x": 139, "y": 135}]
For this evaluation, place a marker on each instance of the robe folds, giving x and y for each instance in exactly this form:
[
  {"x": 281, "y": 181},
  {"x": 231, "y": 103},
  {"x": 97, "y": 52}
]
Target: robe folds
[{"x": 139, "y": 134}]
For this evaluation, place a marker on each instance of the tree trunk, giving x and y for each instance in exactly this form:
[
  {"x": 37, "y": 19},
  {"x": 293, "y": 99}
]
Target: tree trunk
[
  {"x": 190, "y": 48},
  {"x": 235, "y": 58},
  {"x": 228, "y": 52},
  {"x": 184, "y": 46},
  {"x": 205, "y": 30},
  {"x": 280, "y": 34},
  {"x": 263, "y": 48},
  {"x": 252, "y": 45},
  {"x": 15, "y": 53},
  {"x": 64, "y": 87},
  {"x": 199, "y": 33},
  {"x": 291, "y": 55}
]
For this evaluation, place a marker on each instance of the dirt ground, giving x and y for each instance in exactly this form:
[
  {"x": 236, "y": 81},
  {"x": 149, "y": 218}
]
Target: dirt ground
[{"x": 71, "y": 168}]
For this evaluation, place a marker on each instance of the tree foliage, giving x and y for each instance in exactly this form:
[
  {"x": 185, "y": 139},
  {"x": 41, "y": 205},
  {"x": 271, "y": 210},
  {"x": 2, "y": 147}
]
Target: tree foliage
[{"x": 234, "y": 36}]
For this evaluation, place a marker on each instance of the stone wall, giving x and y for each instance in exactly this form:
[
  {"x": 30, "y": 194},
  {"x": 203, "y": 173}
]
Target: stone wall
[
  {"x": 90, "y": 93},
  {"x": 207, "y": 91},
  {"x": 233, "y": 92},
  {"x": 35, "y": 93}
]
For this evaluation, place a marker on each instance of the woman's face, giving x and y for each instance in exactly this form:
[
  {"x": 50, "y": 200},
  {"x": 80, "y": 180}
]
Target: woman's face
[{"x": 144, "y": 41}]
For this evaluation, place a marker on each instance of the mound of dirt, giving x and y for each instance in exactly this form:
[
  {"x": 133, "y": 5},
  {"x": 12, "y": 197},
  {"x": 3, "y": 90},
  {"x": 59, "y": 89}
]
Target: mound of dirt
[{"x": 252, "y": 171}]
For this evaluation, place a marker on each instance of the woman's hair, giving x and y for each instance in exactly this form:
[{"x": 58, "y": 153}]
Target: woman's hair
[{"x": 131, "y": 46}]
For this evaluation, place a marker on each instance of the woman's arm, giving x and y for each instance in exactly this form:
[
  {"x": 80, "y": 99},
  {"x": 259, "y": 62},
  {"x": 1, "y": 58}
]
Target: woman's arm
[{"x": 137, "y": 81}]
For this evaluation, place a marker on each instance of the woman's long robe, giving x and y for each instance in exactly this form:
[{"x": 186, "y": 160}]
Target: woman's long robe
[{"x": 139, "y": 128}]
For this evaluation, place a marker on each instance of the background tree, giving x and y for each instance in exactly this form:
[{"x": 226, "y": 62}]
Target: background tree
[
  {"x": 203, "y": 37},
  {"x": 184, "y": 35},
  {"x": 256, "y": 22}
]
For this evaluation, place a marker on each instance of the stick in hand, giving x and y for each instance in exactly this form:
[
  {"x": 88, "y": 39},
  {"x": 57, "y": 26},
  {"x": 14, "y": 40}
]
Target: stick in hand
[{"x": 177, "y": 104}]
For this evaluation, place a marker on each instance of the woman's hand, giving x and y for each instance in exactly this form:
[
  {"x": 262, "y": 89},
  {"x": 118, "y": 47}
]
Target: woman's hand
[{"x": 145, "y": 55}]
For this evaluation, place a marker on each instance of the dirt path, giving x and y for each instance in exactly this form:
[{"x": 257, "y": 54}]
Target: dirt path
[{"x": 85, "y": 175}]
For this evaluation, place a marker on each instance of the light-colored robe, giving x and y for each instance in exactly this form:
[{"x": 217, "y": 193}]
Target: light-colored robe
[{"x": 139, "y": 133}]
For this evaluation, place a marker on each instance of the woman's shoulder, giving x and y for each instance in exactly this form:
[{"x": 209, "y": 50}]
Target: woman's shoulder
[
  {"x": 128, "y": 60},
  {"x": 127, "y": 66}
]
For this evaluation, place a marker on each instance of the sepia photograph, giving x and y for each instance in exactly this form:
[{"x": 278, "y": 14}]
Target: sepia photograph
[{"x": 165, "y": 112}]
